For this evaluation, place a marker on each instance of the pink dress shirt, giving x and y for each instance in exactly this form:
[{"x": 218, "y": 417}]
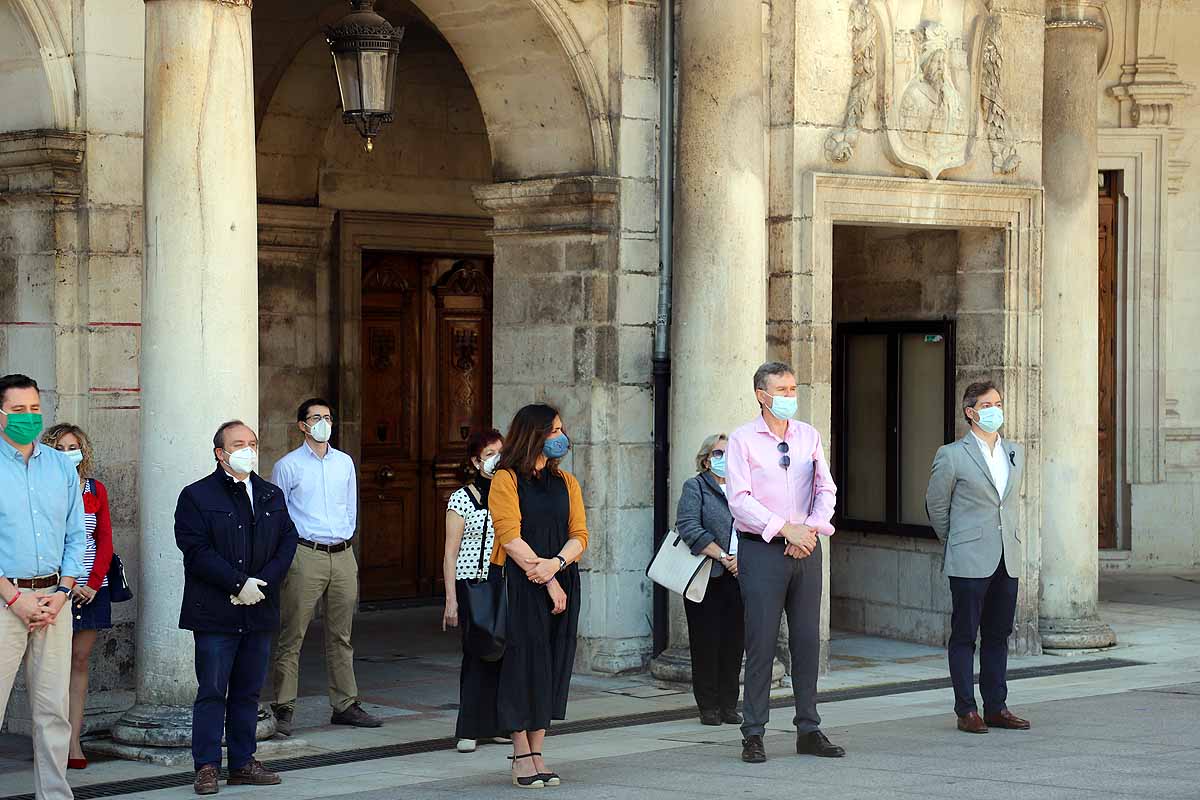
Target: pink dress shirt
[{"x": 763, "y": 496}]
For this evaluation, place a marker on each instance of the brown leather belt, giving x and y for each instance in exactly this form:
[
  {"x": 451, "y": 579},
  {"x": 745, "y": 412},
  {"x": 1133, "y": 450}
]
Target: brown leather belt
[
  {"x": 44, "y": 582},
  {"x": 328, "y": 548}
]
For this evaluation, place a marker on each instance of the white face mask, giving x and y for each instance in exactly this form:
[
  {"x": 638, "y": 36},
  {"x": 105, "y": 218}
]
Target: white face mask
[
  {"x": 243, "y": 461},
  {"x": 321, "y": 431},
  {"x": 74, "y": 456},
  {"x": 490, "y": 463}
]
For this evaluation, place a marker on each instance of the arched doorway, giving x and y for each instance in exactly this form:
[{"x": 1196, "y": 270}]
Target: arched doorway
[{"x": 367, "y": 309}]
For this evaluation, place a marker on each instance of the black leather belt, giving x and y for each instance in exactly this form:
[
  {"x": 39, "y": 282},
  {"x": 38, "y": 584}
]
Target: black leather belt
[
  {"x": 328, "y": 548},
  {"x": 776, "y": 540}
]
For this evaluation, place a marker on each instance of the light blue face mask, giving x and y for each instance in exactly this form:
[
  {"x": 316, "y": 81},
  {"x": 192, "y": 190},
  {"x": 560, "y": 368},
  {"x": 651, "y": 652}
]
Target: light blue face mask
[
  {"x": 717, "y": 465},
  {"x": 784, "y": 407},
  {"x": 990, "y": 419},
  {"x": 557, "y": 446}
]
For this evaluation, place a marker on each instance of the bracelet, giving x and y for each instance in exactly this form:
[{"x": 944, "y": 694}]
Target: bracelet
[
  {"x": 562, "y": 563},
  {"x": 16, "y": 597},
  {"x": 63, "y": 589}
]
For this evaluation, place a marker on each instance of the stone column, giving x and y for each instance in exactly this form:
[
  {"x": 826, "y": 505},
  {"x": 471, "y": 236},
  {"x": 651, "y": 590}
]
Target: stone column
[
  {"x": 1070, "y": 372},
  {"x": 719, "y": 310},
  {"x": 199, "y": 346}
]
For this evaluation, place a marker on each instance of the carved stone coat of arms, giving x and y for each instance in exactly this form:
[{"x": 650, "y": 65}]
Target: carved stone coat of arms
[{"x": 932, "y": 68}]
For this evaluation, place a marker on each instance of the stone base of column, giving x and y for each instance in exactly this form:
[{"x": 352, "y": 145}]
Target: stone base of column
[
  {"x": 153, "y": 727},
  {"x": 182, "y": 756},
  {"x": 674, "y": 665},
  {"x": 1088, "y": 633}
]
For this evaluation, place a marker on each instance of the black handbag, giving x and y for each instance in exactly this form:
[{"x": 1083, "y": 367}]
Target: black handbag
[
  {"x": 486, "y": 617},
  {"x": 118, "y": 587}
]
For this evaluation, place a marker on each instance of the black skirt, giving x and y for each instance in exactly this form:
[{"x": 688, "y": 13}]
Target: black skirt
[
  {"x": 535, "y": 674},
  {"x": 477, "y": 685}
]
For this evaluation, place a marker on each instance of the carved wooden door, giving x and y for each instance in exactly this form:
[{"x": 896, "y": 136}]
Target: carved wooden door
[
  {"x": 1108, "y": 430},
  {"x": 426, "y": 384}
]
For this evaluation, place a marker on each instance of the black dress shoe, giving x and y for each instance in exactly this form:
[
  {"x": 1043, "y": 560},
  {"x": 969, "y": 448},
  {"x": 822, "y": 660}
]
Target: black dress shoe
[
  {"x": 710, "y": 717},
  {"x": 815, "y": 744},
  {"x": 730, "y": 717},
  {"x": 752, "y": 750}
]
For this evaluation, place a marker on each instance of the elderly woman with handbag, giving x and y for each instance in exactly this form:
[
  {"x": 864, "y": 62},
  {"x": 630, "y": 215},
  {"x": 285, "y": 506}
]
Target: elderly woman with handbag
[{"x": 715, "y": 625}]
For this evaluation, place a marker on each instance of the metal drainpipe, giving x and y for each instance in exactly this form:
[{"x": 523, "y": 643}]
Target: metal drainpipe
[{"x": 662, "y": 324}]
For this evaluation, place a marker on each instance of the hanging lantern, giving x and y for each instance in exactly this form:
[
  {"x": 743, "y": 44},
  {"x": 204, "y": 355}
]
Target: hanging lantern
[{"x": 366, "y": 51}]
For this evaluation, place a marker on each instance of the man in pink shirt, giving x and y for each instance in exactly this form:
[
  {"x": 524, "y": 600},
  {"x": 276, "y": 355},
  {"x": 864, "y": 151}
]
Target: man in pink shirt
[{"x": 782, "y": 498}]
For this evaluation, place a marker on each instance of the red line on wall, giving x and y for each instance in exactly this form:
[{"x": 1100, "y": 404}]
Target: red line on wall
[
  {"x": 114, "y": 389},
  {"x": 118, "y": 408},
  {"x": 114, "y": 324},
  {"x": 29, "y": 324}
]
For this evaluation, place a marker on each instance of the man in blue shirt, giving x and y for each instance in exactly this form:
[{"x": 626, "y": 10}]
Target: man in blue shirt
[
  {"x": 41, "y": 553},
  {"x": 321, "y": 489}
]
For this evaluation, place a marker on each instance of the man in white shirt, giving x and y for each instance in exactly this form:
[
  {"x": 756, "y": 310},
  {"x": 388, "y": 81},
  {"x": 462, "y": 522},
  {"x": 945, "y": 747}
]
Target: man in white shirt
[
  {"x": 321, "y": 490},
  {"x": 972, "y": 507}
]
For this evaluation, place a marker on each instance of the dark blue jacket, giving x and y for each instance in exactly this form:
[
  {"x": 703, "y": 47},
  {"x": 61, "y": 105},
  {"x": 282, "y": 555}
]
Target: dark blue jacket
[{"x": 223, "y": 544}]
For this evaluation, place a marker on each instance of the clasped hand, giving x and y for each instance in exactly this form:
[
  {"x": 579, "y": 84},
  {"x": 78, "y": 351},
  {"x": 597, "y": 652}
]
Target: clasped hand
[
  {"x": 250, "y": 594},
  {"x": 801, "y": 540},
  {"x": 541, "y": 570},
  {"x": 38, "y": 611}
]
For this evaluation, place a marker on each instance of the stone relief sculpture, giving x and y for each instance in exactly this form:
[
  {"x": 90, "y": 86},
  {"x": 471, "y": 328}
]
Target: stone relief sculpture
[
  {"x": 1004, "y": 153},
  {"x": 941, "y": 68},
  {"x": 863, "y": 33},
  {"x": 931, "y": 112}
]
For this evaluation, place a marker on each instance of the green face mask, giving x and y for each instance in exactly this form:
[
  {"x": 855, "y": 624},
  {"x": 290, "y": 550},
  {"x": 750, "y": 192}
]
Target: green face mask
[{"x": 22, "y": 428}]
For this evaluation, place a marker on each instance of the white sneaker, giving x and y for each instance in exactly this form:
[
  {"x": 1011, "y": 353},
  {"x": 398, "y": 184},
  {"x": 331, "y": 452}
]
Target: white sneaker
[{"x": 466, "y": 746}]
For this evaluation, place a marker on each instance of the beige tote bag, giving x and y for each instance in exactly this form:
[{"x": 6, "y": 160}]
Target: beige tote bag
[{"x": 675, "y": 567}]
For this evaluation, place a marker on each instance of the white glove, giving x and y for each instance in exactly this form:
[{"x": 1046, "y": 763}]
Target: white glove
[{"x": 250, "y": 593}]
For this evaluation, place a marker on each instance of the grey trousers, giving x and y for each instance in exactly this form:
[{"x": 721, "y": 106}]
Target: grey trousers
[{"x": 771, "y": 584}]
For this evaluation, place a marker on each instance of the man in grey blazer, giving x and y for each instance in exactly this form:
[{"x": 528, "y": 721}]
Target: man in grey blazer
[{"x": 972, "y": 505}]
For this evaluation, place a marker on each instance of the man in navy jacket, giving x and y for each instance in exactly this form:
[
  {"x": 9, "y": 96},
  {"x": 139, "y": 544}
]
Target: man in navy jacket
[{"x": 237, "y": 541}]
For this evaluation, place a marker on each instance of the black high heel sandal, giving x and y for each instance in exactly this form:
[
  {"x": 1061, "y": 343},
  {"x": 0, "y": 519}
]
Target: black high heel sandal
[
  {"x": 548, "y": 778},
  {"x": 532, "y": 782}
]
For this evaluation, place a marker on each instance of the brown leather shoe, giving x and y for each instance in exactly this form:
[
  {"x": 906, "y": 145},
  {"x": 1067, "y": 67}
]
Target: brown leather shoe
[
  {"x": 207, "y": 780},
  {"x": 971, "y": 722},
  {"x": 1006, "y": 719},
  {"x": 253, "y": 774},
  {"x": 354, "y": 715}
]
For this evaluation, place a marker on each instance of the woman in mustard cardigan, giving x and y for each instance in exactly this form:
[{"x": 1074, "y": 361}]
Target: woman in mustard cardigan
[{"x": 541, "y": 530}]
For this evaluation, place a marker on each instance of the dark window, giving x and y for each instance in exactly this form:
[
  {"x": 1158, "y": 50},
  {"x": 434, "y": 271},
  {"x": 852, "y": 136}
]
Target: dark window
[{"x": 893, "y": 406}]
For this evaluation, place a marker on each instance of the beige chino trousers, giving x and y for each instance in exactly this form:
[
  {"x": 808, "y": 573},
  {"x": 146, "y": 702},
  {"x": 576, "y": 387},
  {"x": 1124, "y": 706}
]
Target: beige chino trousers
[
  {"x": 315, "y": 574},
  {"x": 47, "y": 658}
]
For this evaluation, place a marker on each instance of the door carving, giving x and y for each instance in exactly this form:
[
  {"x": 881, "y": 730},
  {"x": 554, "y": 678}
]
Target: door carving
[{"x": 426, "y": 385}]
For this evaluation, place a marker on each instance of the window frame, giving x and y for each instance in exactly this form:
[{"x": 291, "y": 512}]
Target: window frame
[{"x": 893, "y": 330}]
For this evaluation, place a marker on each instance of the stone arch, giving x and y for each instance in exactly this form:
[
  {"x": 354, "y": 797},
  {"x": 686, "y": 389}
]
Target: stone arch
[
  {"x": 538, "y": 87},
  {"x": 36, "y": 68}
]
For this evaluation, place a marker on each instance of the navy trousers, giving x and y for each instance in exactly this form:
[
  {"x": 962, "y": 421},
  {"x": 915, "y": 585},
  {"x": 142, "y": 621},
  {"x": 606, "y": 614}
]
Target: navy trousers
[
  {"x": 983, "y": 607},
  {"x": 230, "y": 668}
]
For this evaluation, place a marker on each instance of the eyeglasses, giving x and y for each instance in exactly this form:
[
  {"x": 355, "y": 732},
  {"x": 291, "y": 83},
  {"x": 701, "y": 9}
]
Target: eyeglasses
[
  {"x": 315, "y": 418},
  {"x": 716, "y": 453},
  {"x": 785, "y": 460}
]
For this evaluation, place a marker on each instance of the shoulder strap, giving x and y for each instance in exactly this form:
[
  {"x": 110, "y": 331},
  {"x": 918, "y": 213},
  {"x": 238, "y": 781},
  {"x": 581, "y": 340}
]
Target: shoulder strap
[{"x": 475, "y": 496}]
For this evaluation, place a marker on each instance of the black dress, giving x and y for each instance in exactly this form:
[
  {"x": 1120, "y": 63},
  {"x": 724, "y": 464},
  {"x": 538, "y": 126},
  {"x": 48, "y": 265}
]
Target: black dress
[{"x": 535, "y": 674}]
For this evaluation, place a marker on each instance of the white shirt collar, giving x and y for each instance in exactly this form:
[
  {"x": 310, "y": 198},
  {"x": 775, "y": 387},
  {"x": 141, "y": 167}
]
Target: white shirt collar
[{"x": 984, "y": 445}]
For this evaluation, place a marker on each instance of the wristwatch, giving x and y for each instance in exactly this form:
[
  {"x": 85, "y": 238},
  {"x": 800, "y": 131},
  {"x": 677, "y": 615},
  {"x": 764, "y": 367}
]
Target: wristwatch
[
  {"x": 63, "y": 589},
  {"x": 562, "y": 563}
]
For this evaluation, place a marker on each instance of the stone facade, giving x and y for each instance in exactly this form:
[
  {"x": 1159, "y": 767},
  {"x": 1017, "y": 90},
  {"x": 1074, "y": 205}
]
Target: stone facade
[{"x": 896, "y": 170}]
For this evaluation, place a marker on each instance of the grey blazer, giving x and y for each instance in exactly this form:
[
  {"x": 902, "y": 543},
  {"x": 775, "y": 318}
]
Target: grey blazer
[
  {"x": 975, "y": 524},
  {"x": 703, "y": 516}
]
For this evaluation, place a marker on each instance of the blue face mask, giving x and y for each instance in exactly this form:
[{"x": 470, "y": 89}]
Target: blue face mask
[
  {"x": 784, "y": 407},
  {"x": 990, "y": 419},
  {"x": 557, "y": 446},
  {"x": 717, "y": 465}
]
